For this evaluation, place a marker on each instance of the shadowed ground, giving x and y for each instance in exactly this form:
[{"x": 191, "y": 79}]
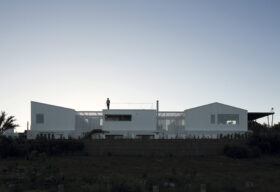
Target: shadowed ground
[{"x": 113, "y": 173}]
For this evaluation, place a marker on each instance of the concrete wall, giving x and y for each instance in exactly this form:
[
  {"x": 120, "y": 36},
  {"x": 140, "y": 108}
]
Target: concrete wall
[
  {"x": 198, "y": 120},
  {"x": 67, "y": 122},
  {"x": 55, "y": 118},
  {"x": 10, "y": 133},
  {"x": 142, "y": 121}
]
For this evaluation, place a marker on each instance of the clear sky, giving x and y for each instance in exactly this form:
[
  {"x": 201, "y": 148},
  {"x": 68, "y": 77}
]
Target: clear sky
[{"x": 184, "y": 53}]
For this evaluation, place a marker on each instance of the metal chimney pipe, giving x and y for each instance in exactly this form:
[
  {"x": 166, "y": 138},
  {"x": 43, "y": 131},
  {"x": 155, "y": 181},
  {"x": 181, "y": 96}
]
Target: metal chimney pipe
[{"x": 157, "y": 112}]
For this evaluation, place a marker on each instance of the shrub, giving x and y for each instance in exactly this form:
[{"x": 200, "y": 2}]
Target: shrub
[
  {"x": 26, "y": 148},
  {"x": 241, "y": 151},
  {"x": 267, "y": 140},
  {"x": 236, "y": 151}
]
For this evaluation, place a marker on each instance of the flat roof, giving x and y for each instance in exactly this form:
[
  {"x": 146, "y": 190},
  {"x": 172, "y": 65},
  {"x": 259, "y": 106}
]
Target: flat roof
[
  {"x": 257, "y": 115},
  {"x": 116, "y": 110}
]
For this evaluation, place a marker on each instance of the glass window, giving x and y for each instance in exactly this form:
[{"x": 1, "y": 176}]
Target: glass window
[
  {"x": 117, "y": 117},
  {"x": 228, "y": 119},
  {"x": 145, "y": 136},
  {"x": 39, "y": 118},
  {"x": 114, "y": 136},
  {"x": 213, "y": 119}
]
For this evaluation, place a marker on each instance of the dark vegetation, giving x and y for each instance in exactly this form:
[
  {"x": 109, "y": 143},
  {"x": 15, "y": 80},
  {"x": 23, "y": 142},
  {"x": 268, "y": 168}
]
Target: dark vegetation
[
  {"x": 24, "y": 148},
  {"x": 263, "y": 140},
  {"x": 53, "y": 165},
  {"x": 124, "y": 173},
  {"x": 6, "y": 122}
]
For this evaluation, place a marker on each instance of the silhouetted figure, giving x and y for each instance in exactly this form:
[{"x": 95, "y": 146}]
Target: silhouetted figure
[{"x": 108, "y": 103}]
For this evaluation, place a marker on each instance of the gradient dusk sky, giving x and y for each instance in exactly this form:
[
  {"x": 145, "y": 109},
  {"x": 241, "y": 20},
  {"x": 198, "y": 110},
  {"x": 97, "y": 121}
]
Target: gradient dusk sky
[{"x": 184, "y": 53}]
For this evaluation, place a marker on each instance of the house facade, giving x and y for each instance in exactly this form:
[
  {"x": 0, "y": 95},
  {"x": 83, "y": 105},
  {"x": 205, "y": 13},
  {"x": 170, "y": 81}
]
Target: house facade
[
  {"x": 215, "y": 120},
  {"x": 208, "y": 121}
]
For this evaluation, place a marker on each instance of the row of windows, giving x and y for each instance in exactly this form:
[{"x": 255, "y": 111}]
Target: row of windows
[
  {"x": 225, "y": 119},
  {"x": 222, "y": 119},
  {"x": 118, "y": 117},
  {"x": 40, "y": 118}
]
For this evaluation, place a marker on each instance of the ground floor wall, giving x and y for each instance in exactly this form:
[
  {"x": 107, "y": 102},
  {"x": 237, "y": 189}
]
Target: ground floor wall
[
  {"x": 212, "y": 134},
  {"x": 131, "y": 134},
  {"x": 198, "y": 134},
  {"x": 31, "y": 134}
]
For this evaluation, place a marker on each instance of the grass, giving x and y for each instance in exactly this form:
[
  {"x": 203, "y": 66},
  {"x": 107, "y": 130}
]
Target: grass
[{"x": 119, "y": 173}]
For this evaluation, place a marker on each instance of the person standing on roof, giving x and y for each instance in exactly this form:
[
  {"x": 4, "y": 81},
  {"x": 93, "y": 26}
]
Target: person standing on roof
[{"x": 108, "y": 103}]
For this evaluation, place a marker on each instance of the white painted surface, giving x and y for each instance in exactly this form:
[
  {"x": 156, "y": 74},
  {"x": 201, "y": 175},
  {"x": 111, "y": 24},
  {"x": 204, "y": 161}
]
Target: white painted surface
[
  {"x": 198, "y": 120},
  {"x": 143, "y": 121},
  {"x": 10, "y": 133},
  {"x": 55, "y": 118},
  {"x": 64, "y": 122},
  {"x": 56, "y": 134}
]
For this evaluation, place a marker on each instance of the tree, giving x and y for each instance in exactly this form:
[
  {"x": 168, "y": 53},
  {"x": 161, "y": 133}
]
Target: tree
[
  {"x": 6, "y": 123},
  {"x": 94, "y": 132}
]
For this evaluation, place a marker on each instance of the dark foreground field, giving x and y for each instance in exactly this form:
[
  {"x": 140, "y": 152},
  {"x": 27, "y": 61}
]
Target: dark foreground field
[{"x": 112, "y": 173}]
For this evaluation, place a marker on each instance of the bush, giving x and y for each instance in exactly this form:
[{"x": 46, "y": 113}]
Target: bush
[
  {"x": 236, "y": 151},
  {"x": 255, "y": 152},
  {"x": 8, "y": 148},
  {"x": 241, "y": 151},
  {"x": 268, "y": 141},
  {"x": 32, "y": 148}
]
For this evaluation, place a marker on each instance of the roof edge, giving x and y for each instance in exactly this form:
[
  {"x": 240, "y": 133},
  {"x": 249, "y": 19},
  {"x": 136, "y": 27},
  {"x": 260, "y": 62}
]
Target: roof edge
[
  {"x": 51, "y": 105},
  {"x": 218, "y": 104}
]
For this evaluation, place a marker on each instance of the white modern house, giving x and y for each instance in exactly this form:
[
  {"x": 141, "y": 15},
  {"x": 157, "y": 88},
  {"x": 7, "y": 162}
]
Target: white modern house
[
  {"x": 207, "y": 121},
  {"x": 52, "y": 121},
  {"x": 215, "y": 119},
  {"x": 130, "y": 123}
]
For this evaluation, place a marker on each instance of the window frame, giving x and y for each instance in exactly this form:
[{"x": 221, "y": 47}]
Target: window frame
[
  {"x": 40, "y": 118},
  {"x": 213, "y": 119},
  {"x": 224, "y": 119},
  {"x": 118, "y": 117}
]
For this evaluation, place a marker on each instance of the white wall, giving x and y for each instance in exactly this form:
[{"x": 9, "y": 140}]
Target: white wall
[
  {"x": 55, "y": 118},
  {"x": 10, "y": 133},
  {"x": 142, "y": 121},
  {"x": 60, "y": 120},
  {"x": 199, "y": 119}
]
